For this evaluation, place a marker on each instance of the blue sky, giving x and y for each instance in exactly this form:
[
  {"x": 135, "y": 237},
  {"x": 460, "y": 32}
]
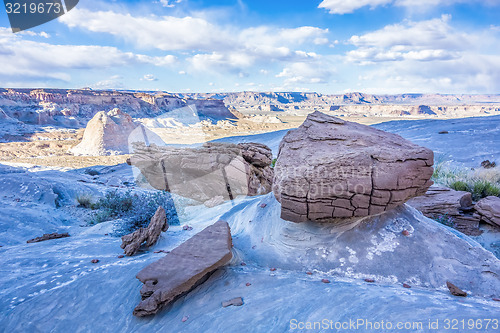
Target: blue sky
[{"x": 330, "y": 46}]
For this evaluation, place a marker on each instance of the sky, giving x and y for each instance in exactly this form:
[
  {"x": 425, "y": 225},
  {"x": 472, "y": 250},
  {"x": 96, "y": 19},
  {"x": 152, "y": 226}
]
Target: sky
[{"x": 324, "y": 46}]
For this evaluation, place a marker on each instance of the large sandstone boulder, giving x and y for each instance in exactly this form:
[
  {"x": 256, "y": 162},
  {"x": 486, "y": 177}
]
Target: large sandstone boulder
[
  {"x": 206, "y": 172},
  {"x": 445, "y": 203},
  {"x": 106, "y": 134},
  {"x": 330, "y": 168},
  {"x": 488, "y": 210},
  {"x": 184, "y": 268}
]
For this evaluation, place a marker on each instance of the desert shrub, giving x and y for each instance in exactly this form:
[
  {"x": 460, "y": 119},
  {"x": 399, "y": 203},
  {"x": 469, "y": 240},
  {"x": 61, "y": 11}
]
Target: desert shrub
[
  {"x": 459, "y": 185},
  {"x": 134, "y": 210},
  {"x": 479, "y": 182},
  {"x": 85, "y": 200},
  {"x": 483, "y": 188},
  {"x": 92, "y": 172}
]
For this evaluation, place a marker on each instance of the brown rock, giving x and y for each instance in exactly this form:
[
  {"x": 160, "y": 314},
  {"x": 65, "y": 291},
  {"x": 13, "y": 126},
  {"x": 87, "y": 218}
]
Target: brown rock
[
  {"x": 325, "y": 280},
  {"x": 215, "y": 170},
  {"x": 440, "y": 201},
  {"x": 248, "y": 284},
  {"x": 406, "y": 286},
  {"x": 45, "y": 237},
  {"x": 185, "y": 267},
  {"x": 405, "y": 233},
  {"x": 272, "y": 269},
  {"x": 132, "y": 242},
  {"x": 94, "y": 261},
  {"x": 121, "y": 256},
  {"x": 454, "y": 290},
  {"x": 488, "y": 165},
  {"x": 330, "y": 168},
  {"x": 238, "y": 301},
  {"x": 488, "y": 210},
  {"x": 369, "y": 280}
]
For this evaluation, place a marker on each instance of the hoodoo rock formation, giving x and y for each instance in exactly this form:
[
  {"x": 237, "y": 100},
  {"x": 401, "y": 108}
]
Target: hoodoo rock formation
[
  {"x": 330, "y": 168},
  {"x": 106, "y": 134}
]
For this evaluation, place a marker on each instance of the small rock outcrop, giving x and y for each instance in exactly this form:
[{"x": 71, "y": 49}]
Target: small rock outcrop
[
  {"x": 106, "y": 134},
  {"x": 440, "y": 202},
  {"x": 238, "y": 301},
  {"x": 488, "y": 210},
  {"x": 132, "y": 242},
  {"x": 46, "y": 237},
  {"x": 330, "y": 168},
  {"x": 184, "y": 268},
  {"x": 212, "y": 171},
  {"x": 454, "y": 290}
]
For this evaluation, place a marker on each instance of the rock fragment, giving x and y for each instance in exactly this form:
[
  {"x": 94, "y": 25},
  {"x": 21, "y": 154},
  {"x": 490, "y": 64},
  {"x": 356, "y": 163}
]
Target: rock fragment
[{"x": 132, "y": 242}]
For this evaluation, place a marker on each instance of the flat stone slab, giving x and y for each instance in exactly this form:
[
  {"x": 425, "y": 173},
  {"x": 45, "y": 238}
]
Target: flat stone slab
[{"x": 184, "y": 268}]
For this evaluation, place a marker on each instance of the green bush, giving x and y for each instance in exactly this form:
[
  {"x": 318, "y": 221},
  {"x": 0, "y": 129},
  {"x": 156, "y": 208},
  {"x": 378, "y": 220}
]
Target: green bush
[
  {"x": 459, "y": 185},
  {"x": 480, "y": 182},
  {"x": 483, "y": 189},
  {"x": 273, "y": 163},
  {"x": 135, "y": 210}
]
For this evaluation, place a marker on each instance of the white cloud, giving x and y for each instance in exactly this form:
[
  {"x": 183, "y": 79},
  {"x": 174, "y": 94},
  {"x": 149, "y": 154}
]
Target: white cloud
[
  {"x": 168, "y": 3},
  {"x": 30, "y": 59},
  {"x": 424, "y": 41},
  {"x": 349, "y": 6},
  {"x": 218, "y": 47},
  {"x": 345, "y": 7},
  {"x": 427, "y": 56},
  {"x": 114, "y": 82},
  {"x": 306, "y": 73},
  {"x": 149, "y": 77}
]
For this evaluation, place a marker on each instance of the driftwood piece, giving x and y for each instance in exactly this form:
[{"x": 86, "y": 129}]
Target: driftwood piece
[
  {"x": 45, "y": 237},
  {"x": 132, "y": 242}
]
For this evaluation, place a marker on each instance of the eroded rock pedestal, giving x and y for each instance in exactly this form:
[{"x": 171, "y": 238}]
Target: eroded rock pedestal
[
  {"x": 213, "y": 170},
  {"x": 184, "y": 268},
  {"x": 330, "y": 168}
]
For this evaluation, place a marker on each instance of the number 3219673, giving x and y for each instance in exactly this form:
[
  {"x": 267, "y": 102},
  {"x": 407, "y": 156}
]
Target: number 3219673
[{"x": 38, "y": 8}]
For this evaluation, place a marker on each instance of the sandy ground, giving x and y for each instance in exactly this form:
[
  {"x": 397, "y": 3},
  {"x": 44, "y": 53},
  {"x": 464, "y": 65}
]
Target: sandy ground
[{"x": 51, "y": 148}]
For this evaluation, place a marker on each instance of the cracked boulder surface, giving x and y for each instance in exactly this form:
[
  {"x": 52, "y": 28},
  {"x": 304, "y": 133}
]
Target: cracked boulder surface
[
  {"x": 329, "y": 168},
  {"x": 184, "y": 268},
  {"x": 206, "y": 172}
]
